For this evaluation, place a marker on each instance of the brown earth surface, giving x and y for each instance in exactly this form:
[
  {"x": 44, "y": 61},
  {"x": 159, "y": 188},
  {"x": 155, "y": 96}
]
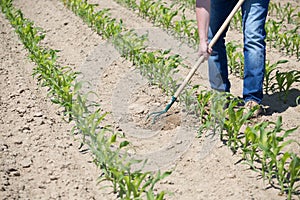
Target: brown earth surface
[{"x": 39, "y": 157}]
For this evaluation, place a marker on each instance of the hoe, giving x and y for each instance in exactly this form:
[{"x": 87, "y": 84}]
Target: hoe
[{"x": 197, "y": 64}]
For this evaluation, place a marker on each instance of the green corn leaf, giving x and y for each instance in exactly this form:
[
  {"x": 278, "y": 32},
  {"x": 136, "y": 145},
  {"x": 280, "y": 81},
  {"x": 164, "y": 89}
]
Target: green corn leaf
[{"x": 123, "y": 144}]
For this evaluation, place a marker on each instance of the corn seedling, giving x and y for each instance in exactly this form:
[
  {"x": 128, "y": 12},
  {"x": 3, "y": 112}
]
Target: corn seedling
[
  {"x": 284, "y": 82},
  {"x": 190, "y": 100},
  {"x": 272, "y": 149},
  {"x": 212, "y": 115},
  {"x": 236, "y": 22},
  {"x": 190, "y": 4},
  {"x": 268, "y": 73},
  {"x": 235, "y": 59},
  {"x": 272, "y": 28},
  {"x": 250, "y": 147},
  {"x": 294, "y": 173},
  {"x": 167, "y": 15},
  {"x": 130, "y": 45},
  {"x": 236, "y": 118}
]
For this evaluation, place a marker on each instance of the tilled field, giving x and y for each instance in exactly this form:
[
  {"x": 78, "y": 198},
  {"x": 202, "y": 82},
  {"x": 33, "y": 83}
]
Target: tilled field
[{"x": 39, "y": 157}]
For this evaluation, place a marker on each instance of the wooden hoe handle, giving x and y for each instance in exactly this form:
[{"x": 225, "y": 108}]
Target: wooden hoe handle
[{"x": 211, "y": 44}]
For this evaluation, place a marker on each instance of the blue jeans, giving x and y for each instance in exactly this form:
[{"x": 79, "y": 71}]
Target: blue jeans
[{"x": 254, "y": 13}]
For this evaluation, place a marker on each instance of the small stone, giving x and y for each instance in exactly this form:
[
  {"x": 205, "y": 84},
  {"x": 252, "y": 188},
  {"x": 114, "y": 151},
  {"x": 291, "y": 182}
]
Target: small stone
[
  {"x": 25, "y": 127},
  {"x": 231, "y": 176},
  {"x": 21, "y": 110},
  {"x": 6, "y": 183},
  {"x": 12, "y": 96},
  {"x": 16, "y": 173},
  {"x": 26, "y": 131},
  {"x": 179, "y": 142},
  {"x": 26, "y": 162},
  {"x": 3, "y": 147},
  {"x": 21, "y": 91},
  {"x": 30, "y": 105},
  {"x": 30, "y": 120},
  {"x": 18, "y": 142},
  {"x": 42, "y": 187},
  {"x": 38, "y": 114},
  {"x": 53, "y": 178},
  {"x": 11, "y": 170},
  {"x": 49, "y": 122}
]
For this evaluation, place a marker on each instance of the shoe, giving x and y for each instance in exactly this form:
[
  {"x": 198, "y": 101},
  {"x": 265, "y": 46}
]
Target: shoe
[{"x": 254, "y": 107}]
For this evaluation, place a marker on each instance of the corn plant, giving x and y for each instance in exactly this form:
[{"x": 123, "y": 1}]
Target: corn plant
[
  {"x": 250, "y": 146},
  {"x": 190, "y": 100},
  {"x": 82, "y": 9},
  {"x": 294, "y": 173},
  {"x": 289, "y": 12},
  {"x": 235, "y": 59},
  {"x": 167, "y": 15},
  {"x": 187, "y": 29},
  {"x": 272, "y": 29},
  {"x": 187, "y": 3},
  {"x": 129, "y": 44},
  {"x": 268, "y": 73},
  {"x": 271, "y": 145},
  {"x": 284, "y": 81},
  {"x": 236, "y": 118},
  {"x": 144, "y": 7},
  {"x": 132, "y": 3},
  {"x": 105, "y": 25},
  {"x": 203, "y": 100},
  {"x": 212, "y": 115},
  {"x": 236, "y": 22}
]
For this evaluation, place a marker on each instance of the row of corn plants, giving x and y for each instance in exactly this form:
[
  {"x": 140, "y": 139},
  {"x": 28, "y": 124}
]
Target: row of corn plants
[
  {"x": 231, "y": 121},
  {"x": 261, "y": 144},
  {"x": 286, "y": 13},
  {"x": 109, "y": 155},
  {"x": 279, "y": 36},
  {"x": 162, "y": 15},
  {"x": 287, "y": 41}
]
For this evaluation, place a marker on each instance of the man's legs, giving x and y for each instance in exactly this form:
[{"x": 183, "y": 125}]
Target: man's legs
[
  {"x": 254, "y": 17},
  {"x": 218, "y": 69}
]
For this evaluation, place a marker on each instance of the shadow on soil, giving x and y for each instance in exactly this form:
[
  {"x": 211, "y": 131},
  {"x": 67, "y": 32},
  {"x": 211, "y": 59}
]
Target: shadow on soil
[{"x": 276, "y": 103}]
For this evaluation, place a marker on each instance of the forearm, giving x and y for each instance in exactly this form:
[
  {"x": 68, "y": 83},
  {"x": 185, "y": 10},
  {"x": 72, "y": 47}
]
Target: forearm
[{"x": 202, "y": 16}]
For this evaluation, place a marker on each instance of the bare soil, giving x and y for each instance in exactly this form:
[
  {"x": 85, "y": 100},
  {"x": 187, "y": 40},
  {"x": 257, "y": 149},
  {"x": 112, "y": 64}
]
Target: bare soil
[{"x": 39, "y": 157}]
